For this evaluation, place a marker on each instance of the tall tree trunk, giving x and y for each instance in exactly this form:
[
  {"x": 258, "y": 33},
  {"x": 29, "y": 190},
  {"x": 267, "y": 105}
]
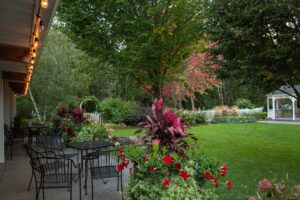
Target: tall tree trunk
[
  {"x": 192, "y": 103},
  {"x": 34, "y": 105}
]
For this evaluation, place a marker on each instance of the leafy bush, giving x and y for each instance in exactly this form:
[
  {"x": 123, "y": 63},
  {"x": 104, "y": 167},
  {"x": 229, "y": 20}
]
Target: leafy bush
[
  {"x": 159, "y": 175},
  {"x": 91, "y": 132},
  {"x": 244, "y": 103},
  {"x": 114, "y": 109},
  {"x": 234, "y": 119},
  {"x": 192, "y": 117},
  {"x": 136, "y": 115},
  {"x": 259, "y": 115}
]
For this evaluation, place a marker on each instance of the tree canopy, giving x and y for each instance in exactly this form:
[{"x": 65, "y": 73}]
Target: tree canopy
[
  {"x": 259, "y": 41},
  {"x": 144, "y": 39}
]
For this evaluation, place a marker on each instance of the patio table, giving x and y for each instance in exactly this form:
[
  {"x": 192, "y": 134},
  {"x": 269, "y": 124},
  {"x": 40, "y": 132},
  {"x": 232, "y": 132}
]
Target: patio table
[
  {"x": 84, "y": 148},
  {"x": 35, "y": 130}
]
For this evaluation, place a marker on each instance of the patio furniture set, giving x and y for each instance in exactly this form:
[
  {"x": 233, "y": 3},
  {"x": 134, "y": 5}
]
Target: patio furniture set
[{"x": 55, "y": 164}]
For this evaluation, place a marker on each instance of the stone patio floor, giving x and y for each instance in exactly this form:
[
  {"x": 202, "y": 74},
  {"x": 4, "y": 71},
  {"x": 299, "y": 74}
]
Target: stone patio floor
[{"x": 15, "y": 176}]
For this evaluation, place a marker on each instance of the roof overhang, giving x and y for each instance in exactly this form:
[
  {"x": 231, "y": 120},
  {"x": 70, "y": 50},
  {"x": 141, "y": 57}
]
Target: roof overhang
[{"x": 20, "y": 25}]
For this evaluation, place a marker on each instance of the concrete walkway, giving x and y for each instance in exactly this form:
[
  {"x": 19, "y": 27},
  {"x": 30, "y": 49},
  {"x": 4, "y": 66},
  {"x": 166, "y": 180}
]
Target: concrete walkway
[
  {"x": 15, "y": 175},
  {"x": 279, "y": 122}
]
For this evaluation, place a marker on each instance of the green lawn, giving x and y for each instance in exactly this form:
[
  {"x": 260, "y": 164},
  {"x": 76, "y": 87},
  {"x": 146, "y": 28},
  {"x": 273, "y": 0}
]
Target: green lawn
[{"x": 252, "y": 152}]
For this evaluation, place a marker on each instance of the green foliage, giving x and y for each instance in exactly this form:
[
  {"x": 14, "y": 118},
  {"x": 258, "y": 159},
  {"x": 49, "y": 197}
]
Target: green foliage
[
  {"x": 149, "y": 188},
  {"x": 259, "y": 40},
  {"x": 244, "y": 103},
  {"x": 136, "y": 115},
  {"x": 91, "y": 132},
  {"x": 146, "y": 40},
  {"x": 192, "y": 117},
  {"x": 24, "y": 107},
  {"x": 115, "y": 109},
  {"x": 259, "y": 115},
  {"x": 233, "y": 119},
  {"x": 90, "y": 103}
]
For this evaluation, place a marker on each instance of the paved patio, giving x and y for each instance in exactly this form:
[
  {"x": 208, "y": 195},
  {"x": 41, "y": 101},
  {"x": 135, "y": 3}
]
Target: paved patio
[{"x": 15, "y": 175}]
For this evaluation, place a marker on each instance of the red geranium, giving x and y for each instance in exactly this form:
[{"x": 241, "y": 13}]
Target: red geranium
[
  {"x": 216, "y": 182},
  {"x": 120, "y": 167},
  {"x": 229, "y": 184},
  {"x": 144, "y": 159},
  {"x": 121, "y": 153},
  {"x": 152, "y": 169},
  {"x": 207, "y": 175},
  {"x": 166, "y": 182},
  {"x": 223, "y": 169},
  {"x": 177, "y": 166},
  {"x": 168, "y": 159},
  {"x": 184, "y": 175}
]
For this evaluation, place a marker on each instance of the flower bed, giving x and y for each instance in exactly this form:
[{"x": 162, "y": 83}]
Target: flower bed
[{"x": 163, "y": 170}]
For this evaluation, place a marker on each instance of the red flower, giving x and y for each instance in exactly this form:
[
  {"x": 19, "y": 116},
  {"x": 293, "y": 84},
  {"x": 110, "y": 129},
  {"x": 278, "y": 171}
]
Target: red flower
[
  {"x": 207, "y": 175},
  {"x": 166, "y": 182},
  {"x": 229, "y": 184},
  {"x": 120, "y": 167},
  {"x": 144, "y": 159},
  {"x": 168, "y": 160},
  {"x": 177, "y": 166},
  {"x": 184, "y": 175},
  {"x": 216, "y": 182},
  {"x": 125, "y": 163},
  {"x": 152, "y": 169},
  {"x": 65, "y": 128},
  {"x": 223, "y": 169},
  {"x": 134, "y": 162},
  {"x": 121, "y": 153}
]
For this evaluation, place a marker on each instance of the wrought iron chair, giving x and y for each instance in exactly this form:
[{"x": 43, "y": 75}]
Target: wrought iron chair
[
  {"x": 52, "y": 142},
  {"x": 34, "y": 153},
  {"x": 9, "y": 140},
  {"x": 48, "y": 176},
  {"x": 103, "y": 165}
]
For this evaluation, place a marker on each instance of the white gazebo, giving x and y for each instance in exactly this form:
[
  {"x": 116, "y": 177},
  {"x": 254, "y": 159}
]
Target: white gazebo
[{"x": 282, "y": 104}]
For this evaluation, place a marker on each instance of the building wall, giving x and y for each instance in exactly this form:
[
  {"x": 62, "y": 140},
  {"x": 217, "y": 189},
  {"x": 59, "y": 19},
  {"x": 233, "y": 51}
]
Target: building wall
[
  {"x": 2, "y": 157},
  {"x": 7, "y": 112}
]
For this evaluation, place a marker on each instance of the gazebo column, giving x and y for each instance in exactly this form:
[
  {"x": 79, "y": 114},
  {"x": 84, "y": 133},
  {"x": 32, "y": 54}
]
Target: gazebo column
[
  {"x": 273, "y": 107},
  {"x": 294, "y": 109}
]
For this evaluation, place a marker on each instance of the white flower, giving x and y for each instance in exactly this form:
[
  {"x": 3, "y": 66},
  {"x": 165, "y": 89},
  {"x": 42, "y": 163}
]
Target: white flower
[{"x": 117, "y": 144}]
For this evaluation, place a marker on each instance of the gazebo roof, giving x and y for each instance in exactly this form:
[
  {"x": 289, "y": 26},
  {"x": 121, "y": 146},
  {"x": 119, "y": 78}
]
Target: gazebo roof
[{"x": 286, "y": 89}]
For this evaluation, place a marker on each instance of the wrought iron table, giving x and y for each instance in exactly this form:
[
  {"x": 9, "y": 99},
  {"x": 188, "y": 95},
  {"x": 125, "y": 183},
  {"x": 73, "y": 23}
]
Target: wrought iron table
[{"x": 84, "y": 148}]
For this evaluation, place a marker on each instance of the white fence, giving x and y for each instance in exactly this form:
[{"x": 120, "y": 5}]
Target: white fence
[
  {"x": 209, "y": 114},
  {"x": 95, "y": 116}
]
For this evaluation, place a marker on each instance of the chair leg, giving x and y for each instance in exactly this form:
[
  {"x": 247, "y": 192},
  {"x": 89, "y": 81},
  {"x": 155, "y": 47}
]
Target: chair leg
[
  {"x": 43, "y": 194},
  {"x": 86, "y": 176},
  {"x": 118, "y": 183},
  {"x": 92, "y": 188},
  {"x": 71, "y": 191},
  {"x": 37, "y": 192},
  {"x": 29, "y": 186}
]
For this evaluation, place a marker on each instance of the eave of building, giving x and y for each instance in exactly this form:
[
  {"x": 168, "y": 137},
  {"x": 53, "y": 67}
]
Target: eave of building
[{"x": 17, "y": 28}]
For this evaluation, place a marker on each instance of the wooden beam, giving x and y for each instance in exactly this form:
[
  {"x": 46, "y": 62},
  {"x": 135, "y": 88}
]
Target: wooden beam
[
  {"x": 13, "y": 76},
  {"x": 14, "y": 53},
  {"x": 18, "y": 88}
]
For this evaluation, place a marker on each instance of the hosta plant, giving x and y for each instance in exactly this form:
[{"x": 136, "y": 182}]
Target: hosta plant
[{"x": 163, "y": 127}]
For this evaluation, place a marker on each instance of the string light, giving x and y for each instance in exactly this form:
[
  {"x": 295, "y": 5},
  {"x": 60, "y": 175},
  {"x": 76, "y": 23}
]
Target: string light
[
  {"x": 44, "y": 3},
  {"x": 32, "y": 61},
  {"x": 34, "y": 53},
  {"x": 36, "y": 42}
]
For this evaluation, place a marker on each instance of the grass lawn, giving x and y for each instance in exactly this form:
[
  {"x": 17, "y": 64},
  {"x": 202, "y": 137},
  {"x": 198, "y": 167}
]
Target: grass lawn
[{"x": 252, "y": 152}]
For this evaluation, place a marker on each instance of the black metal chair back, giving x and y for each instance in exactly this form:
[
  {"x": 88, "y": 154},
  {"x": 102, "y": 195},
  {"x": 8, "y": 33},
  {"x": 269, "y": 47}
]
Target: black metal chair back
[
  {"x": 103, "y": 164},
  {"x": 53, "y": 172}
]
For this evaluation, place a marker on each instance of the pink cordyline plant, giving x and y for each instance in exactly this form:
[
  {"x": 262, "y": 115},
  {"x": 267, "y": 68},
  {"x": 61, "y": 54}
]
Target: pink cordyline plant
[
  {"x": 165, "y": 128},
  {"x": 264, "y": 185}
]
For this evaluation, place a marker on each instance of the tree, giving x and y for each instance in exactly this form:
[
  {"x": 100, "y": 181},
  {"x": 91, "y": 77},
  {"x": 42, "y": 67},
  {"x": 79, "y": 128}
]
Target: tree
[
  {"x": 197, "y": 76},
  {"x": 143, "y": 39},
  {"x": 259, "y": 41},
  {"x": 60, "y": 73}
]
